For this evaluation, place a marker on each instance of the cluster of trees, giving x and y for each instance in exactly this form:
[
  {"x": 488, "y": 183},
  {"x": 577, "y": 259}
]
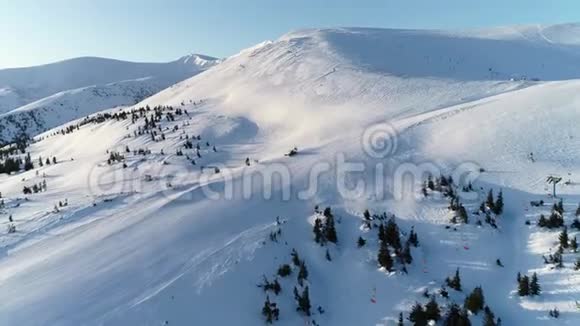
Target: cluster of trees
[
  {"x": 270, "y": 311},
  {"x": 389, "y": 237},
  {"x": 440, "y": 184},
  {"x": 565, "y": 242},
  {"x": 301, "y": 290},
  {"x": 528, "y": 286},
  {"x": 115, "y": 157},
  {"x": 456, "y": 315},
  {"x": 495, "y": 206},
  {"x": 454, "y": 282},
  {"x": 556, "y": 218},
  {"x": 325, "y": 228},
  {"x": 36, "y": 188}
]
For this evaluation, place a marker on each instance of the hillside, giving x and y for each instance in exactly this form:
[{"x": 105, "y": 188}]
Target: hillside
[
  {"x": 159, "y": 231},
  {"x": 35, "y": 99}
]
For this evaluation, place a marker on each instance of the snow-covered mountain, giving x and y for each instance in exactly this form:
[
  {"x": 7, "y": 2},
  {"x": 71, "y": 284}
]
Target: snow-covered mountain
[
  {"x": 38, "y": 98},
  {"x": 177, "y": 234}
]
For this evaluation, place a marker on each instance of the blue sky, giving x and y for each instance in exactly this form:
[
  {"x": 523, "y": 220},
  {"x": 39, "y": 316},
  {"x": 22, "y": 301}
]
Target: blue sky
[{"x": 41, "y": 31}]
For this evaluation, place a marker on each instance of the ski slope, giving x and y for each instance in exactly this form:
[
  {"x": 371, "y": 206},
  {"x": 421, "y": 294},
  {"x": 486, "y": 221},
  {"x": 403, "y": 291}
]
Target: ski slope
[{"x": 150, "y": 245}]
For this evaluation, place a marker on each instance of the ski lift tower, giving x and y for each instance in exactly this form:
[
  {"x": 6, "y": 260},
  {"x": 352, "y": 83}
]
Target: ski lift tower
[{"x": 554, "y": 180}]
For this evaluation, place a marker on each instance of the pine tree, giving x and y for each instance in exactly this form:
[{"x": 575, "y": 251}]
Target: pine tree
[
  {"x": 475, "y": 301},
  {"x": 488, "y": 317},
  {"x": 413, "y": 239},
  {"x": 400, "y": 322},
  {"x": 405, "y": 255},
  {"x": 329, "y": 228},
  {"x": 490, "y": 201},
  {"x": 295, "y": 258},
  {"x": 417, "y": 315},
  {"x": 304, "y": 301},
  {"x": 367, "y": 215},
  {"x": 455, "y": 282},
  {"x": 28, "y": 165},
  {"x": 267, "y": 311},
  {"x": 577, "y": 265},
  {"x": 318, "y": 236},
  {"x": 302, "y": 273},
  {"x": 392, "y": 234},
  {"x": 361, "y": 242},
  {"x": 574, "y": 244},
  {"x": 535, "y": 288},
  {"x": 564, "y": 238},
  {"x": 498, "y": 206},
  {"x": 284, "y": 270},
  {"x": 456, "y": 317},
  {"x": 463, "y": 216},
  {"x": 524, "y": 286},
  {"x": 432, "y": 311},
  {"x": 384, "y": 257},
  {"x": 382, "y": 234},
  {"x": 430, "y": 183}
]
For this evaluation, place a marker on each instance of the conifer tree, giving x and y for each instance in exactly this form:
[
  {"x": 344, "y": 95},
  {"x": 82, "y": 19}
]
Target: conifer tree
[
  {"x": 284, "y": 270},
  {"x": 432, "y": 311},
  {"x": 488, "y": 317},
  {"x": 400, "y": 322},
  {"x": 535, "y": 288},
  {"x": 563, "y": 237},
  {"x": 475, "y": 301},
  {"x": 524, "y": 286},
  {"x": 318, "y": 236},
  {"x": 490, "y": 201},
  {"x": 574, "y": 244},
  {"x": 392, "y": 234},
  {"x": 295, "y": 258},
  {"x": 328, "y": 255},
  {"x": 417, "y": 315},
  {"x": 304, "y": 302},
  {"x": 329, "y": 227},
  {"x": 413, "y": 238},
  {"x": 270, "y": 311},
  {"x": 405, "y": 255},
  {"x": 456, "y": 317},
  {"x": 455, "y": 282},
  {"x": 361, "y": 242},
  {"x": 384, "y": 257},
  {"x": 498, "y": 206},
  {"x": 302, "y": 273},
  {"x": 367, "y": 215},
  {"x": 463, "y": 216}
]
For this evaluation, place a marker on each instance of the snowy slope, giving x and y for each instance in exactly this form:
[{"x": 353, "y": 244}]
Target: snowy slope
[
  {"x": 38, "y": 98},
  {"x": 150, "y": 245},
  {"x": 33, "y": 83}
]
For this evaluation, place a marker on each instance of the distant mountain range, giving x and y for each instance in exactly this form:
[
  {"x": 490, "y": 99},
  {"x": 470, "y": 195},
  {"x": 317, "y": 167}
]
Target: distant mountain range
[{"x": 34, "y": 99}]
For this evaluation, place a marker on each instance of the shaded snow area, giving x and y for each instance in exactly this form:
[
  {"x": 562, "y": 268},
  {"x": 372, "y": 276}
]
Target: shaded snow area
[{"x": 361, "y": 158}]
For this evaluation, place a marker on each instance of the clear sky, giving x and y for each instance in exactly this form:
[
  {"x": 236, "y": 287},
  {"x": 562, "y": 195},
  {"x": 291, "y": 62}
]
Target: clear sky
[{"x": 41, "y": 31}]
